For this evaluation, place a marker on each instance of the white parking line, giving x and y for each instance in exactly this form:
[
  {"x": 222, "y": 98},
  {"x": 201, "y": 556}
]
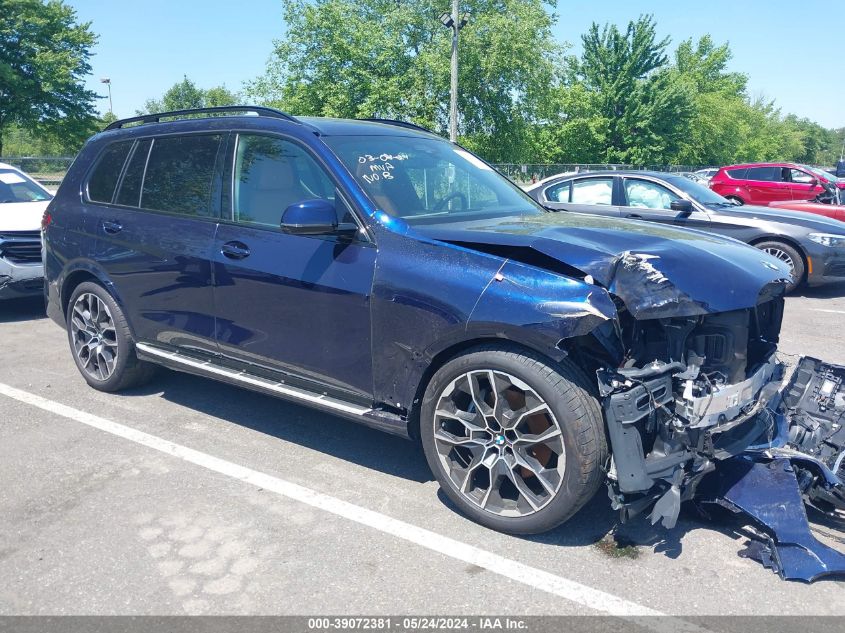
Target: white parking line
[
  {"x": 830, "y": 311},
  {"x": 571, "y": 590}
]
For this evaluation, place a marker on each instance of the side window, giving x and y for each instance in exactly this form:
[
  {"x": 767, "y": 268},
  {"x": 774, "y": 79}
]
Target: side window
[
  {"x": 643, "y": 194},
  {"x": 180, "y": 174},
  {"x": 737, "y": 174},
  {"x": 802, "y": 177},
  {"x": 271, "y": 174},
  {"x": 130, "y": 187},
  {"x": 559, "y": 192},
  {"x": 592, "y": 191},
  {"x": 103, "y": 179},
  {"x": 763, "y": 174}
]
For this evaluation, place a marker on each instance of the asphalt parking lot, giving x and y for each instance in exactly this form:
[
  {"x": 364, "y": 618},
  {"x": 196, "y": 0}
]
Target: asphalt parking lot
[{"x": 192, "y": 497}]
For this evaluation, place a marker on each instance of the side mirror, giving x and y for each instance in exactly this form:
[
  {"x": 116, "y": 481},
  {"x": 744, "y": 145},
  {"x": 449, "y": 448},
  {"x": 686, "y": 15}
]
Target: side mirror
[
  {"x": 682, "y": 206},
  {"x": 814, "y": 182},
  {"x": 310, "y": 217}
]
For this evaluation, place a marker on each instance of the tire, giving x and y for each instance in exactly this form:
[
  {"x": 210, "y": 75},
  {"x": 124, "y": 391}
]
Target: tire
[
  {"x": 736, "y": 199},
  {"x": 548, "y": 480},
  {"x": 788, "y": 254},
  {"x": 101, "y": 343}
]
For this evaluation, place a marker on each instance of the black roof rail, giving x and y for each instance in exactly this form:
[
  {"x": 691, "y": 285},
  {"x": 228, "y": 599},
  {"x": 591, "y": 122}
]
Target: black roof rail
[
  {"x": 156, "y": 118},
  {"x": 412, "y": 126}
]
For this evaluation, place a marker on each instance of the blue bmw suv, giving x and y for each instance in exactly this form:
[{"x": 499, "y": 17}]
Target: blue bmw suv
[{"x": 376, "y": 271}]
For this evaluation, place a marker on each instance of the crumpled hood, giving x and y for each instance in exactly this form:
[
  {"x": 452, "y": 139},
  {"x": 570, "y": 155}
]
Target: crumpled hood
[
  {"x": 22, "y": 216},
  {"x": 657, "y": 271}
]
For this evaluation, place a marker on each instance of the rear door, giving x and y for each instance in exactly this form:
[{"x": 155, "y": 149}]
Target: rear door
[
  {"x": 649, "y": 200},
  {"x": 295, "y": 305},
  {"x": 154, "y": 240},
  {"x": 587, "y": 194},
  {"x": 765, "y": 185}
]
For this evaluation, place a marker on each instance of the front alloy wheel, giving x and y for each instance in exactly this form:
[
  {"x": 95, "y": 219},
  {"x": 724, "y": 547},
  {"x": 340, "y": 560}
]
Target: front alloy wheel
[
  {"x": 94, "y": 336},
  {"x": 500, "y": 443},
  {"x": 516, "y": 441}
]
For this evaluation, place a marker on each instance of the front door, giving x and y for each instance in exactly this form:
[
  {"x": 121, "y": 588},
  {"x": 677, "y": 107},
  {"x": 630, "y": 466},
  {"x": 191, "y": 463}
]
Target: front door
[
  {"x": 296, "y": 306},
  {"x": 649, "y": 200}
]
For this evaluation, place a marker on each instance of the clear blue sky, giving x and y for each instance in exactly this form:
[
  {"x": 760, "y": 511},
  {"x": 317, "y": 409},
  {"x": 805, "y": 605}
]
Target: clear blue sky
[{"x": 782, "y": 46}]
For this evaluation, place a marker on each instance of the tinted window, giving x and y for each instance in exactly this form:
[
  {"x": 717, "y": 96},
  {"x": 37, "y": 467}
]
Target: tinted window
[
  {"x": 592, "y": 191},
  {"x": 644, "y": 194},
  {"x": 130, "y": 187},
  {"x": 271, "y": 174},
  {"x": 738, "y": 174},
  {"x": 764, "y": 174},
  {"x": 180, "y": 174},
  {"x": 104, "y": 177},
  {"x": 558, "y": 192}
]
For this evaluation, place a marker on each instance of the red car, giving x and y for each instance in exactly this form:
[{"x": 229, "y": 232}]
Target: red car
[
  {"x": 835, "y": 211},
  {"x": 764, "y": 183}
]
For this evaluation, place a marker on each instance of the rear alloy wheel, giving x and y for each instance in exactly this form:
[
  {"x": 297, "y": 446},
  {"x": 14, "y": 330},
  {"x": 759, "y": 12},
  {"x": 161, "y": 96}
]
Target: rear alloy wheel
[
  {"x": 515, "y": 443},
  {"x": 789, "y": 256},
  {"x": 735, "y": 200},
  {"x": 100, "y": 341}
]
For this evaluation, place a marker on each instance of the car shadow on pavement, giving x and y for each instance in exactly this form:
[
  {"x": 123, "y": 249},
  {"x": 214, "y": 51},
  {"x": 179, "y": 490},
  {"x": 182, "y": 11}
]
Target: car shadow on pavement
[
  {"x": 828, "y": 291},
  {"x": 290, "y": 422},
  {"x": 26, "y": 309},
  {"x": 395, "y": 456}
]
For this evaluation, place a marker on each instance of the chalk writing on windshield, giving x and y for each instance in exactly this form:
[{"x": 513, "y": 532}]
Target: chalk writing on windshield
[{"x": 379, "y": 166}]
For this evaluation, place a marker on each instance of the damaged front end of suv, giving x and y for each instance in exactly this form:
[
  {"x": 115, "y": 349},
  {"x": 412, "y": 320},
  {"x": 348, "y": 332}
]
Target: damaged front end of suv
[
  {"x": 696, "y": 409},
  {"x": 683, "y": 343}
]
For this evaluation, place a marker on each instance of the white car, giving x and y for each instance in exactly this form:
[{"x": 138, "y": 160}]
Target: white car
[{"x": 22, "y": 204}]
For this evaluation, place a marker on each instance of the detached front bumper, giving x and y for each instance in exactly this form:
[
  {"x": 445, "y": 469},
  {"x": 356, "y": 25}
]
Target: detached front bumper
[{"x": 758, "y": 447}]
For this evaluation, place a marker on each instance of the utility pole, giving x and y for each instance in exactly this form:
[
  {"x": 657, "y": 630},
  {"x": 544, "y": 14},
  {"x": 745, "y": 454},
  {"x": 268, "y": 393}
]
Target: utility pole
[
  {"x": 453, "y": 93},
  {"x": 455, "y": 22},
  {"x": 107, "y": 81}
]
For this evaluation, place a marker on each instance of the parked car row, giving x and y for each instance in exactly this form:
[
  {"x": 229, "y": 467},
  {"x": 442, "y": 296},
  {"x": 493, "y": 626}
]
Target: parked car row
[
  {"x": 602, "y": 330},
  {"x": 376, "y": 271},
  {"x": 813, "y": 247}
]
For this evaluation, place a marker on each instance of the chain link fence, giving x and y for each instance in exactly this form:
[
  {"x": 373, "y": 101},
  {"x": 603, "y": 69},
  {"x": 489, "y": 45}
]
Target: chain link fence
[{"x": 49, "y": 170}]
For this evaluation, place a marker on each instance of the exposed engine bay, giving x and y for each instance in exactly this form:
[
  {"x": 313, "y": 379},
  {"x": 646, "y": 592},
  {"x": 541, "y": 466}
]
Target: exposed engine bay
[{"x": 698, "y": 397}]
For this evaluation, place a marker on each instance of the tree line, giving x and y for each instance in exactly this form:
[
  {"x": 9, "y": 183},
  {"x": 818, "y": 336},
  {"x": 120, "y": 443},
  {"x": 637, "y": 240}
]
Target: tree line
[{"x": 628, "y": 97}]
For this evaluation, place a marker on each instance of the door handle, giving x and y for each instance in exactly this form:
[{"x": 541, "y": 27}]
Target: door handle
[
  {"x": 235, "y": 250},
  {"x": 634, "y": 216},
  {"x": 112, "y": 226}
]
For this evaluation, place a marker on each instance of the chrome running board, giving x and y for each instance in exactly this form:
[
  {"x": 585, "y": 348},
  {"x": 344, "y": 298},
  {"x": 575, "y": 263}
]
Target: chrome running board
[{"x": 242, "y": 378}]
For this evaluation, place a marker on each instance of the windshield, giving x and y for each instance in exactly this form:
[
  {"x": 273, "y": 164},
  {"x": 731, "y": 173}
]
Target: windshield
[
  {"x": 699, "y": 193},
  {"x": 15, "y": 187},
  {"x": 417, "y": 178},
  {"x": 821, "y": 172}
]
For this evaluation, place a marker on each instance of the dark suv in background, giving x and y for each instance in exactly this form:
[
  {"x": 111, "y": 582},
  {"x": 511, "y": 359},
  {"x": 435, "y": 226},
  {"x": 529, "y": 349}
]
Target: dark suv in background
[{"x": 376, "y": 271}]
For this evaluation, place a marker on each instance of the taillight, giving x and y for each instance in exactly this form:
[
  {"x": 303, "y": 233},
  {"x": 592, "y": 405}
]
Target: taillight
[{"x": 46, "y": 220}]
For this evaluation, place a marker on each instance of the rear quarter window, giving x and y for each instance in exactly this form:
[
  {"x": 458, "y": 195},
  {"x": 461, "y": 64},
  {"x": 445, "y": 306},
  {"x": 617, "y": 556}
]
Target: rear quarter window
[
  {"x": 104, "y": 176},
  {"x": 737, "y": 174}
]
